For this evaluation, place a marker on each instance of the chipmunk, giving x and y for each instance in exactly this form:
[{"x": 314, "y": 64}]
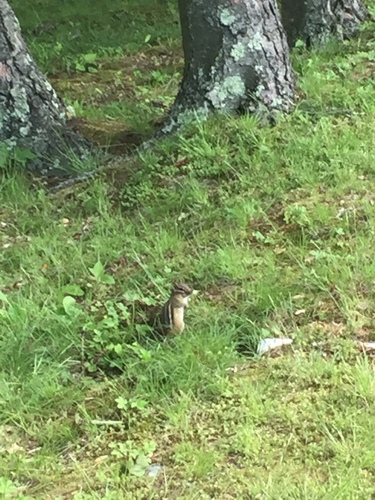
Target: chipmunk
[{"x": 171, "y": 317}]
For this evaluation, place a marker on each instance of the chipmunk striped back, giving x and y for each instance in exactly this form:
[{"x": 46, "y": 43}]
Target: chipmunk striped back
[
  {"x": 166, "y": 316},
  {"x": 171, "y": 317}
]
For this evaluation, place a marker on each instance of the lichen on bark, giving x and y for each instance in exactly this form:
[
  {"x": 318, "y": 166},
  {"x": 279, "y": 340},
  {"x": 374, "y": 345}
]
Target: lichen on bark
[
  {"x": 32, "y": 116},
  {"x": 236, "y": 59}
]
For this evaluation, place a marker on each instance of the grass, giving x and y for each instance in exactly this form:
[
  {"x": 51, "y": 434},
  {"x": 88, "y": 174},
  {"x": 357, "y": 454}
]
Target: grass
[{"x": 274, "y": 226}]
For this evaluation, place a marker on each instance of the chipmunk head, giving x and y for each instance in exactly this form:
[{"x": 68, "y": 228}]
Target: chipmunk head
[{"x": 181, "y": 294}]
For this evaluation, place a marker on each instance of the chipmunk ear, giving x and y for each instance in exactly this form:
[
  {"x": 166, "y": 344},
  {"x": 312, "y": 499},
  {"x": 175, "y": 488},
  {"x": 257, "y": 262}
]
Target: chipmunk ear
[{"x": 182, "y": 288}]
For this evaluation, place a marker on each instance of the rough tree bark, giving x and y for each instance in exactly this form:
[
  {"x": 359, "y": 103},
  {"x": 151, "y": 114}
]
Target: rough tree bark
[
  {"x": 317, "y": 21},
  {"x": 32, "y": 117},
  {"x": 236, "y": 59}
]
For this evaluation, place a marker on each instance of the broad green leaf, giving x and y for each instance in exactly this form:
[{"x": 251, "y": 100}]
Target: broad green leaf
[
  {"x": 74, "y": 290},
  {"x": 140, "y": 466},
  {"x": 97, "y": 270},
  {"x": 90, "y": 58},
  {"x": 138, "y": 403},
  {"x": 107, "y": 279},
  {"x": 69, "y": 305},
  {"x": 118, "y": 348},
  {"x": 122, "y": 403},
  {"x": 100, "y": 275},
  {"x": 80, "y": 67}
]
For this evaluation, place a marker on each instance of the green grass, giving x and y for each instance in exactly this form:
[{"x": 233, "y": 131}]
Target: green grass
[
  {"x": 274, "y": 226},
  {"x": 61, "y": 34}
]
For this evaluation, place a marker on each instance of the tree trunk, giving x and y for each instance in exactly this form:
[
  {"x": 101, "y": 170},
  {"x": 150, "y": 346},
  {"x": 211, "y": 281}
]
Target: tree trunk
[
  {"x": 32, "y": 117},
  {"x": 317, "y": 21},
  {"x": 236, "y": 59}
]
